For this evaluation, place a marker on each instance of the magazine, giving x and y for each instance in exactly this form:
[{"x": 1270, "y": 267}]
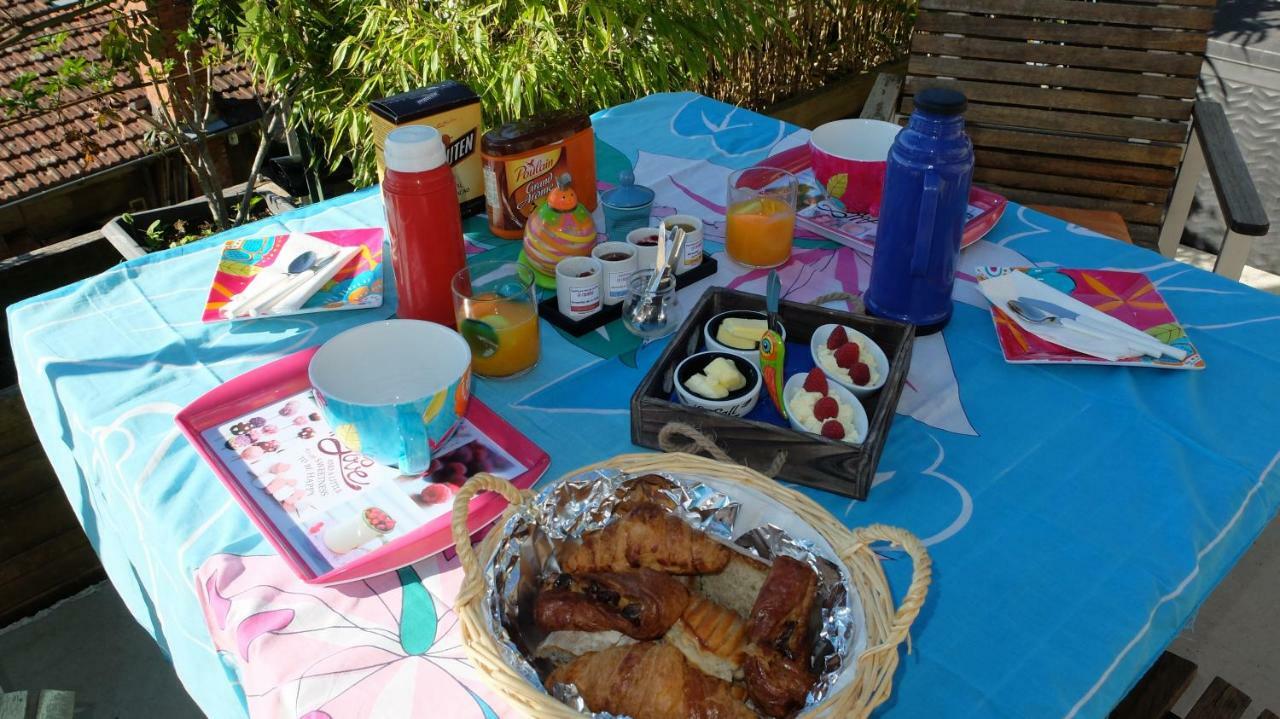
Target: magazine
[{"x": 332, "y": 504}]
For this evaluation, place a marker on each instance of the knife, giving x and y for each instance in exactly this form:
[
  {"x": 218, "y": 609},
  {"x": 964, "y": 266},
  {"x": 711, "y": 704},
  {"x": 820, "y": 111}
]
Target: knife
[{"x": 1093, "y": 326}]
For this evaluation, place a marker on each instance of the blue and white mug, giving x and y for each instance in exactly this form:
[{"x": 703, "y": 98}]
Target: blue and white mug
[{"x": 393, "y": 390}]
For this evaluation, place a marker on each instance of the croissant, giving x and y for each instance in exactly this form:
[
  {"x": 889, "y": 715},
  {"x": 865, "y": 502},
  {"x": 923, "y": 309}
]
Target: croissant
[
  {"x": 649, "y": 680},
  {"x": 712, "y": 637},
  {"x": 646, "y": 489},
  {"x": 642, "y": 604},
  {"x": 776, "y": 667},
  {"x": 648, "y": 537}
]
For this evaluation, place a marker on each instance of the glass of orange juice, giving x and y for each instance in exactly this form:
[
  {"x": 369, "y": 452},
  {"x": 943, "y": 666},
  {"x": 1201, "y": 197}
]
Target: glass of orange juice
[
  {"x": 761, "y": 216},
  {"x": 496, "y": 305}
]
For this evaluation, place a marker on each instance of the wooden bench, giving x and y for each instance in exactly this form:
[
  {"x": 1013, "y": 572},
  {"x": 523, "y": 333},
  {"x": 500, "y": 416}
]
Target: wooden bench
[
  {"x": 1163, "y": 685},
  {"x": 1089, "y": 106}
]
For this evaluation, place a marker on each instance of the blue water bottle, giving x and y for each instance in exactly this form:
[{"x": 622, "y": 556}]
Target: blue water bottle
[{"x": 922, "y": 214}]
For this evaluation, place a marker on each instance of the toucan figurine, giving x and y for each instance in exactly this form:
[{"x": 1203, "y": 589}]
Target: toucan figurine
[{"x": 772, "y": 354}]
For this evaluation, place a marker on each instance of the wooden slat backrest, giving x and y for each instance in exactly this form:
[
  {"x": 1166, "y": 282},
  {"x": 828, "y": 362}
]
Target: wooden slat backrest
[{"x": 1071, "y": 102}]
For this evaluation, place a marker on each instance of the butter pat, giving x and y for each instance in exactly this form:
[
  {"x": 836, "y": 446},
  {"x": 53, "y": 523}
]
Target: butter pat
[
  {"x": 717, "y": 379},
  {"x": 725, "y": 373},
  {"x": 741, "y": 333},
  {"x": 702, "y": 386}
]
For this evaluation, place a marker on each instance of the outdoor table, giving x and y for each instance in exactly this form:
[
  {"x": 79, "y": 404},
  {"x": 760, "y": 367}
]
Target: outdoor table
[{"x": 1077, "y": 516}]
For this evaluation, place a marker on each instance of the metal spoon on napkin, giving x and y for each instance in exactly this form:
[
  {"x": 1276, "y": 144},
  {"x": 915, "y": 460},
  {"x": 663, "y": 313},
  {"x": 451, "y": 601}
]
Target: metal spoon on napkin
[
  {"x": 1035, "y": 312},
  {"x": 303, "y": 262}
]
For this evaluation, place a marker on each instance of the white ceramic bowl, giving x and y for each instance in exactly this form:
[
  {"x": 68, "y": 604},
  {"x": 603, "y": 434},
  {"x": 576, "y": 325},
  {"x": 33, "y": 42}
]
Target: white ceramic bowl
[
  {"x": 795, "y": 384},
  {"x": 738, "y": 403},
  {"x": 713, "y": 324},
  {"x": 819, "y": 340}
]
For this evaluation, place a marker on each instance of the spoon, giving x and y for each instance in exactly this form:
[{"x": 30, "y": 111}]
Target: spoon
[
  {"x": 1038, "y": 316},
  {"x": 303, "y": 262},
  {"x": 290, "y": 282},
  {"x": 649, "y": 312}
]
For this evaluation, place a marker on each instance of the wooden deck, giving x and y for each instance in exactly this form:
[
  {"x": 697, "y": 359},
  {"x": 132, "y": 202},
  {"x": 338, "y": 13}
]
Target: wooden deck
[{"x": 44, "y": 554}]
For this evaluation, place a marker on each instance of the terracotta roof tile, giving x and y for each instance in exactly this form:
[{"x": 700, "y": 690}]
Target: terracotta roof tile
[{"x": 35, "y": 152}]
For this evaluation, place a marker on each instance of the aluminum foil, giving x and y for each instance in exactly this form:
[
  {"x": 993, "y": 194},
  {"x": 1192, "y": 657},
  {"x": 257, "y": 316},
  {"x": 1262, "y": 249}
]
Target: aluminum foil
[{"x": 567, "y": 509}]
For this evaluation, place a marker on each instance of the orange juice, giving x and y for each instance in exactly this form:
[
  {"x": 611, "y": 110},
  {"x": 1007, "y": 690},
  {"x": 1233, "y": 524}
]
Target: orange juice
[
  {"x": 515, "y": 326},
  {"x": 760, "y": 232}
]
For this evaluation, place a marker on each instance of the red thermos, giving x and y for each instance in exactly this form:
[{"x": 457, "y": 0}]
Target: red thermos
[{"x": 425, "y": 222}]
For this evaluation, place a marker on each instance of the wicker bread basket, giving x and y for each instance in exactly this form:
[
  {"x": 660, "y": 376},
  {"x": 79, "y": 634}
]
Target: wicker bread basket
[{"x": 886, "y": 627}]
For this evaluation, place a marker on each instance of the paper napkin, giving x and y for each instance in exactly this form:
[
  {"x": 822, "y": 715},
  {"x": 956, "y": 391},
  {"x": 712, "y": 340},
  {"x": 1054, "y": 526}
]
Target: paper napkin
[
  {"x": 295, "y": 299},
  {"x": 296, "y": 244},
  {"x": 1012, "y": 285}
]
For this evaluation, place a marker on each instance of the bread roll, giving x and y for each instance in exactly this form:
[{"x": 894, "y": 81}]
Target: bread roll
[
  {"x": 564, "y": 646},
  {"x": 737, "y": 585}
]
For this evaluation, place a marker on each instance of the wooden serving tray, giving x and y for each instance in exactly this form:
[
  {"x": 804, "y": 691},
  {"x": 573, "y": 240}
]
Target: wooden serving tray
[{"x": 811, "y": 460}]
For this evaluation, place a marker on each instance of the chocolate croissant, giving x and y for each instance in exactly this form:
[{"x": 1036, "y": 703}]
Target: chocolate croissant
[
  {"x": 642, "y": 604},
  {"x": 649, "y": 680},
  {"x": 648, "y": 537},
  {"x": 776, "y": 669}
]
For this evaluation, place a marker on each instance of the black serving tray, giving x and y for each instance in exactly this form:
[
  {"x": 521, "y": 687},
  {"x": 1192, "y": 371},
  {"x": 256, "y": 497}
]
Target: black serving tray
[{"x": 549, "y": 309}]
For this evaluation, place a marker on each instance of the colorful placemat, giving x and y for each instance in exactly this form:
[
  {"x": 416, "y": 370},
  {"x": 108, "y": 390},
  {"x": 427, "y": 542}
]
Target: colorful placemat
[
  {"x": 357, "y": 285},
  {"x": 1130, "y": 297}
]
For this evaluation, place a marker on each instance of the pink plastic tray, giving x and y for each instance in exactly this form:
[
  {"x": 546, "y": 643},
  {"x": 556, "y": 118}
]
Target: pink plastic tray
[{"x": 288, "y": 376}]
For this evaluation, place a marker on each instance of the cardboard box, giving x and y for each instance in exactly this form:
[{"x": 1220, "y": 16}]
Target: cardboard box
[{"x": 452, "y": 108}]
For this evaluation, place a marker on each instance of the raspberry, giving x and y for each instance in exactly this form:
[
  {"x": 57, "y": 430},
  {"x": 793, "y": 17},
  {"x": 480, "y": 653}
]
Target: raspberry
[
  {"x": 816, "y": 382},
  {"x": 436, "y": 494},
  {"x": 847, "y": 356},
  {"x": 832, "y": 429},
  {"x": 825, "y": 408},
  {"x": 837, "y": 339},
  {"x": 860, "y": 374}
]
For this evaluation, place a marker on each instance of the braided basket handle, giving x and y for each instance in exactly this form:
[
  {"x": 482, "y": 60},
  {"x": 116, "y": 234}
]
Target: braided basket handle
[
  {"x": 921, "y": 575},
  {"x": 478, "y": 484}
]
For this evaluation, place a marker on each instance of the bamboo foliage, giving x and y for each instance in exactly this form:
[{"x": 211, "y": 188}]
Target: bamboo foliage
[
  {"x": 820, "y": 40},
  {"x": 528, "y": 56}
]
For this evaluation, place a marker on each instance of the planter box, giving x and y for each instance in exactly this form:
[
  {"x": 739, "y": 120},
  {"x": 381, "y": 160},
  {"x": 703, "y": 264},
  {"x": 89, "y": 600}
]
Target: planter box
[
  {"x": 129, "y": 238},
  {"x": 45, "y": 269}
]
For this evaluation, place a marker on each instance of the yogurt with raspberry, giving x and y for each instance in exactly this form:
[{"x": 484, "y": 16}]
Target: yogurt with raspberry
[
  {"x": 801, "y": 408},
  {"x": 827, "y": 358}
]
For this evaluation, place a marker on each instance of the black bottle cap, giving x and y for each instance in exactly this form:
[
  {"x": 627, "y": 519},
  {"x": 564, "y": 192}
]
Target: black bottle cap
[{"x": 941, "y": 101}]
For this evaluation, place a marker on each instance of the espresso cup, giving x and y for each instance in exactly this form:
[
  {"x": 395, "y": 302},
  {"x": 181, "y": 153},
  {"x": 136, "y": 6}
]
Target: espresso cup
[
  {"x": 646, "y": 251},
  {"x": 691, "y": 252},
  {"x": 578, "y": 286},
  {"x": 618, "y": 260},
  {"x": 393, "y": 390}
]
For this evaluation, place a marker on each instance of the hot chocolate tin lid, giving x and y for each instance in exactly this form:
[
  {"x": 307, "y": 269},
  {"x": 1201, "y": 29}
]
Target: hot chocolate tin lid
[
  {"x": 429, "y": 100},
  {"x": 534, "y": 132},
  {"x": 627, "y": 194}
]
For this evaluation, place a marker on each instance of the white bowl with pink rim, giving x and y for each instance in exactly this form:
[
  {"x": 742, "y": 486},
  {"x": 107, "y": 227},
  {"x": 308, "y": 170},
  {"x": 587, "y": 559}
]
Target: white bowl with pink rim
[
  {"x": 858, "y": 151},
  {"x": 795, "y": 385},
  {"x": 869, "y": 350}
]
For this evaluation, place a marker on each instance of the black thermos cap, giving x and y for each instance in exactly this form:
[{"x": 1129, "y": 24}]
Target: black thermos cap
[{"x": 941, "y": 101}]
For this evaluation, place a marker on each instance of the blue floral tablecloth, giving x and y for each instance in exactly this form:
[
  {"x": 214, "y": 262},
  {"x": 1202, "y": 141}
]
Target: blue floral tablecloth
[{"x": 1077, "y": 516}]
